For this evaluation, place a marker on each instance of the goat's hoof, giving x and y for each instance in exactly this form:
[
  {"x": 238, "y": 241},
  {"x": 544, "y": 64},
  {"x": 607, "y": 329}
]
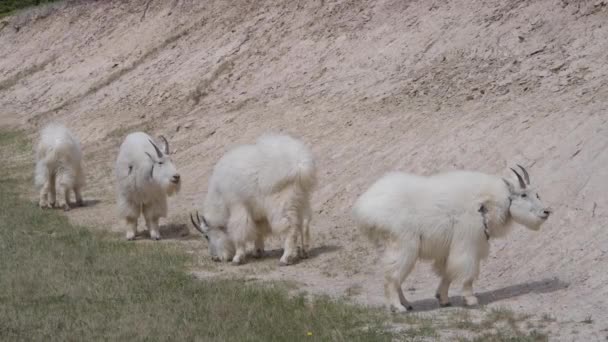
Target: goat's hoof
[
  {"x": 66, "y": 207},
  {"x": 130, "y": 236},
  {"x": 237, "y": 262},
  {"x": 80, "y": 203},
  {"x": 154, "y": 236},
  {"x": 286, "y": 261},
  {"x": 445, "y": 305},
  {"x": 258, "y": 253},
  {"x": 470, "y": 301},
  {"x": 216, "y": 259},
  {"x": 303, "y": 253},
  {"x": 400, "y": 308}
]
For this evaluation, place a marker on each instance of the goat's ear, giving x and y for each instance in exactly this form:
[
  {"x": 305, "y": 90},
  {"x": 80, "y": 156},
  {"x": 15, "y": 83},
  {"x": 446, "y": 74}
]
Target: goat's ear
[{"x": 509, "y": 186}]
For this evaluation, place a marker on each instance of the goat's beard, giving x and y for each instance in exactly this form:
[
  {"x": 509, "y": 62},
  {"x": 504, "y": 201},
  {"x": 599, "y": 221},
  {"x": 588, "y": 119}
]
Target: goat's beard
[{"x": 172, "y": 188}]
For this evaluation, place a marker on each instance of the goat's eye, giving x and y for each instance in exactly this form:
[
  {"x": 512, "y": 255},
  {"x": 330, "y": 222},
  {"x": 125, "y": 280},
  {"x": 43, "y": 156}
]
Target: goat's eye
[
  {"x": 524, "y": 195},
  {"x": 160, "y": 163},
  {"x": 537, "y": 196}
]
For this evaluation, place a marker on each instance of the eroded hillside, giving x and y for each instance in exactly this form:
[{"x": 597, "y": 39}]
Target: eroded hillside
[{"x": 371, "y": 86}]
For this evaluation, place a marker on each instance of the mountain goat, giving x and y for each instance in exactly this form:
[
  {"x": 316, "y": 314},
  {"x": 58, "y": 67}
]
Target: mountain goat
[
  {"x": 447, "y": 218},
  {"x": 145, "y": 176},
  {"x": 258, "y": 190},
  {"x": 58, "y": 159}
]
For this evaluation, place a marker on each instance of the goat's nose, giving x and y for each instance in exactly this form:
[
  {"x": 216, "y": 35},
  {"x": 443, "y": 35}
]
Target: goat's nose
[
  {"x": 176, "y": 177},
  {"x": 547, "y": 212}
]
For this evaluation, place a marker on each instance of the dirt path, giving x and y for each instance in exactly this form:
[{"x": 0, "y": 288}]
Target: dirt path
[{"x": 372, "y": 86}]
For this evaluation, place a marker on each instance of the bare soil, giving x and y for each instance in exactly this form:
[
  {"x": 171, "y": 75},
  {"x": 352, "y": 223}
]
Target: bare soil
[{"x": 371, "y": 86}]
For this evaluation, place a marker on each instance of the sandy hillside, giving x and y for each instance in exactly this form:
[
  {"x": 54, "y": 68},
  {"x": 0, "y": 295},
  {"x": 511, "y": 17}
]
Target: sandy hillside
[{"x": 371, "y": 86}]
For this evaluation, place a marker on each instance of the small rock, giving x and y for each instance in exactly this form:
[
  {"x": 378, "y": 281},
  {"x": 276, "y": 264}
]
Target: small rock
[
  {"x": 470, "y": 97},
  {"x": 178, "y": 128},
  {"x": 557, "y": 67},
  {"x": 188, "y": 125},
  {"x": 143, "y": 116},
  {"x": 521, "y": 39}
]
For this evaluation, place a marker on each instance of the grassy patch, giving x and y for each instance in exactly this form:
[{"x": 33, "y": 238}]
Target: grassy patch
[
  {"x": 9, "y": 6},
  {"x": 62, "y": 282}
]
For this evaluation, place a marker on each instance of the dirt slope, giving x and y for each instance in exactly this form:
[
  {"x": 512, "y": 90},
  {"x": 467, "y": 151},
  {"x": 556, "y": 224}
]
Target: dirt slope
[{"x": 372, "y": 86}]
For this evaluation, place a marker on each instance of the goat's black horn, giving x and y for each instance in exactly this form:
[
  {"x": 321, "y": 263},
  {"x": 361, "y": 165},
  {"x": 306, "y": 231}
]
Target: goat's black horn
[
  {"x": 158, "y": 152},
  {"x": 526, "y": 175},
  {"x": 521, "y": 181}
]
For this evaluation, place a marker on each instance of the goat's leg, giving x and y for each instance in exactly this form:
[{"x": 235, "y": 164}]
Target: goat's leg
[
  {"x": 78, "y": 195},
  {"x": 131, "y": 227},
  {"x": 52, "y": 190},
  {"x": 239, "y": 256},
  {"x": 305, "y": 234},
  {"x": 444, "y": 285},
  {"x": 290, "y": 251},
  {"x": 152, "y": 225},
  {"x": 442, "y": 291},
  {"x": 258, "y": 248},
  {"x": 464, "y": 265},
  {"x": 399, "y": 260},
  {"x": 66, "y": 197},
  {"x": 44, "y": 192}
]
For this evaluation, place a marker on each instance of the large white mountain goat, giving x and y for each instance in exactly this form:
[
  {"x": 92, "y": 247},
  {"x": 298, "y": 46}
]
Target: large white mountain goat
[
  {"x": 255, "y": 191},
  {"x": 447, "y": 218},
  {"x": 145, "y": 176},
  {"x": 58, "y": 160}
]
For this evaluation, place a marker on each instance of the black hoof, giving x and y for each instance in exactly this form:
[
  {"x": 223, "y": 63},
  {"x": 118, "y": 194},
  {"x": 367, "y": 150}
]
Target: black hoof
[
  {"x": 446, "y": 305},
  {"x": 437, "y": 296},
  {"x": 409, "y": 308}
]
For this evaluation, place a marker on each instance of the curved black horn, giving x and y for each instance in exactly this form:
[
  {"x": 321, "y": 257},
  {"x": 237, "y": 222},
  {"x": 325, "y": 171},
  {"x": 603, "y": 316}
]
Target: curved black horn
[
  {"x": 526, "y": 175},
  {"x": 166, "y": 144},
  {"x": 521, "y": 181},
  {"x": 158, "y": 152},
  {"x": 197, "y": 225}
]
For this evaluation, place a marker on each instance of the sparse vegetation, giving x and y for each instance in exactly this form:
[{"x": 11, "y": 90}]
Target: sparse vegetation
[{"x": 7, "y": 7}]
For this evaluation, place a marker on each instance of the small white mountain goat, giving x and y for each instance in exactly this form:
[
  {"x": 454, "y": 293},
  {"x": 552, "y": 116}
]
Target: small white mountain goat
[
  {"x": 145, "y": 177},
  {"x": 258, "y": 190},
  {"x": 58, "y": 159},
  {"x": 447, "y": 218}
]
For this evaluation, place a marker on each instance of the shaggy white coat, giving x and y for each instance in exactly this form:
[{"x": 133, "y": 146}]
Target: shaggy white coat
[
  {"x": 447, "y": 218},
  {"x": 258, "y": 190},
  {"x": 58, "y": 163},
  {"x": 144, "y": 180}
]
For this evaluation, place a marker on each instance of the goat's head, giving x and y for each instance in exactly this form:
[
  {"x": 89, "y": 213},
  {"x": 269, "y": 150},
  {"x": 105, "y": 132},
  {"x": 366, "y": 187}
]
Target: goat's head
[
  {"x": 221, "y": 247},
  {"x": 163, "y": 171},
  {"x": 526, "y": 207}
]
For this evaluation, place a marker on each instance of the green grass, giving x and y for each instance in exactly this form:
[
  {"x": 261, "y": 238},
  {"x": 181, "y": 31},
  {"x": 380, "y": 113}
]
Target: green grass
[
  {"x": 69, "y": 283},
  {"x": 7, "y": 7}
]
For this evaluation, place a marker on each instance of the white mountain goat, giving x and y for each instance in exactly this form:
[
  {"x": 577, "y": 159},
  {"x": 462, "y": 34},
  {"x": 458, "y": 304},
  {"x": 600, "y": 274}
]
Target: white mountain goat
[
  {"x": 258, "y": 190},
  {"x": 145, "y": 177},
  {"x": 447, "y": 218},
  {"x": 58, "y": 159}
]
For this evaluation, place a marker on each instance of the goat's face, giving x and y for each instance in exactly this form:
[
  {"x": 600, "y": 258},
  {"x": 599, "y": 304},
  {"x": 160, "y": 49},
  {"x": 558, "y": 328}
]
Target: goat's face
[
  {"x": 221, "y": 247},
  {"x": 526, "y": 207},
  {"x": 163, "y": 172}
]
